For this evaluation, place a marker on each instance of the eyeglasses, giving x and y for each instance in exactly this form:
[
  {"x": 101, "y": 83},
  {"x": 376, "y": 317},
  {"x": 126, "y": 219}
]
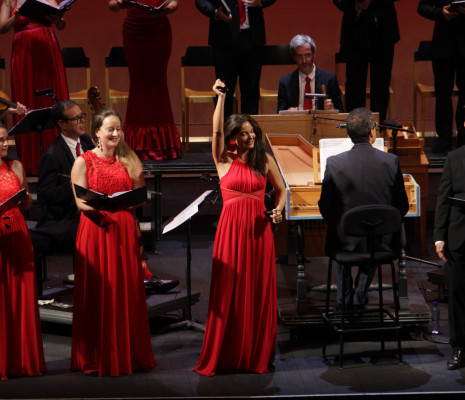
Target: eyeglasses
[{"x": 79, "y": 118}]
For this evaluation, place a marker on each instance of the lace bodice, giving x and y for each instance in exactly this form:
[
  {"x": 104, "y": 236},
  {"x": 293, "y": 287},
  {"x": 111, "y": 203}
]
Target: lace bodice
[
  {"x": 9, "y": 182},
  {"x": 106, "y": 175}
]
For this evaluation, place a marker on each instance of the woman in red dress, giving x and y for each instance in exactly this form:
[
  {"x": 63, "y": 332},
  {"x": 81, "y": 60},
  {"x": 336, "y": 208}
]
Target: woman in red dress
[
  {"x": 110, "y": 323},
  {"x": 36, "y": 63},
  {"x": 149, "y": 126},
  {"x": 21, "y": 352},
  {"x": 240, "y": 335}
]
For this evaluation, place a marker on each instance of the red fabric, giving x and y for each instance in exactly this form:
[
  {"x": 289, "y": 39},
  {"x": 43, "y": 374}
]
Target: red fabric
[
  {"x": 21, "y": 351},
  {"x": 242, "y": 15},
  {"x": 36, "y": 63},
  {"x": 110, "y": 323},
  {"x": 149, "y": 126},
  {"x": 240, "y": 333},
  {"x": 307, "y": 101}
]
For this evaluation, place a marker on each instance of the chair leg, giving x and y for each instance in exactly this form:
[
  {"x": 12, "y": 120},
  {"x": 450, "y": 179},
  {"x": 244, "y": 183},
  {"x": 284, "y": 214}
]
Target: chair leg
[
  {"x": 395, "y": 295},
  {"x": 381, "y": 304},
  {"x": 343, "y": 316},
  {"x": 328, "y": 292},
  {"x": 186, "y": 138}
]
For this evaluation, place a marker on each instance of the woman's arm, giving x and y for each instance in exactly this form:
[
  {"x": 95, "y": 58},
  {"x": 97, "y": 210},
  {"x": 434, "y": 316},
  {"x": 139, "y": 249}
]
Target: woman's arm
[
  {"x": 6, "y": 19},
  {"x": 275, "y": 179},
  {"x": 218, "y": 124},
  {"x": 79, "y": 177},
  {"x": 18, "y": 169}
]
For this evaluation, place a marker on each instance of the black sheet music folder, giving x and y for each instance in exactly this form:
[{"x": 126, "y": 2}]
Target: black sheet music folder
[
  {"x": 114, "y": 201},
  {"x": 12, "y": 201}
]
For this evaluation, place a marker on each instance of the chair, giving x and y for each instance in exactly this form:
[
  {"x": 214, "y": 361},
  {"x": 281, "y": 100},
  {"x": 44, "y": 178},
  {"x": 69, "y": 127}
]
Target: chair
[
  {"x": 273, "y": 55},
  {"x": 116, "y": 59},
  {"x": 424, "y": 53},
  {"x": 371, "y": 222},
  {"x": 340, "y": 58},
  {"x": 75, "y": 57}
]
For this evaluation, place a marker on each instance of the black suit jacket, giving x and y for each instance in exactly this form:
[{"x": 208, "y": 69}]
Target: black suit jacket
[
  {"x": 449, "y": 224},
  {"x": 288, "y": 92},
  {"x": 360, "y": 176},
  {"x": 54, "y": 191},
  {"x": 448, "y": 37},
  {"x": 226, "y": 34},
  {"x": 377, "y": 25}
]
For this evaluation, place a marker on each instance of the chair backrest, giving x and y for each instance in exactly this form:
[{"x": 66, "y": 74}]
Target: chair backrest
[
  {"x": 116, "y": 58},
  {"x": 276, "y": 54},
  {"x": 198, "y": 56},
  {"x": 3, "y": 74},
  {"x": 75, "y": 57},
  {"x": 424, "y": 52}
]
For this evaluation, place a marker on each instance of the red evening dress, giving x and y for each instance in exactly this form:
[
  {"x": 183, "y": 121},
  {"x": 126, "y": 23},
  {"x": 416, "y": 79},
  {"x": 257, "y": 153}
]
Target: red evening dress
[
  {"x": 21, "y": 351},
  {"x": 110, "y": 323},
  {"x": 240, "y": 335},
  {"x": 36, "y": 63},
  {"x": 149, "y": 126}
]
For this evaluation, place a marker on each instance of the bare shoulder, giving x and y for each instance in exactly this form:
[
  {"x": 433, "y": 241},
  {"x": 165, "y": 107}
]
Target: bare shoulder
[{"x": 17, "y": 167}]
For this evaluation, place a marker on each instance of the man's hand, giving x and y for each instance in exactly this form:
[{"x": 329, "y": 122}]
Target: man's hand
[
  {"x": 220, "y": 15},
  {"x": 328, "y": 104},
  {"x": 448, "y": 15},
  {"x": 440, "y": 251}
]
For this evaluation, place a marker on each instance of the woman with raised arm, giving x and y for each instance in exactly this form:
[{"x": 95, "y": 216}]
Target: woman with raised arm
[
  {"x": 36, "y": 63},
  {"x": 149, "y": 125},
  {"x": 110, "y": 324},
  {"x": 240, "y": 334},
  {"x": 21, "y": 352}
]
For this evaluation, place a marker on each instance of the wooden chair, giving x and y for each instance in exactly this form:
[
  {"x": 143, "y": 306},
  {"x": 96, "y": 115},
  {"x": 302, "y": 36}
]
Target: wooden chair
[
  {"x": 273, "y": 55},
  {"x": 116, "y": 59},
  {"x": 424, "y": 53},
  {"x": 341, "y": 59}
]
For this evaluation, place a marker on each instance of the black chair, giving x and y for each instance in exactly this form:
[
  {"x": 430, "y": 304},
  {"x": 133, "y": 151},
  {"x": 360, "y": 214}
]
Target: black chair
[
  {"x": 374, "y": 222},
  {"x": 116, "y": 59}
]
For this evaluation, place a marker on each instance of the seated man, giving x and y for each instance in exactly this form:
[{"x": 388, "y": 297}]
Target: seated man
[
  {"x": 360, "y": 176},
  {"x": 307, "y": 78}
]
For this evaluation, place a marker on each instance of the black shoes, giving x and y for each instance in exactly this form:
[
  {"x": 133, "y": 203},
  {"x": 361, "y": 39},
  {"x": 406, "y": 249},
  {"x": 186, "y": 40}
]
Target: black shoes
[
  {"x": 159, "y": 285},
  {"x": 457, "y": 360}
]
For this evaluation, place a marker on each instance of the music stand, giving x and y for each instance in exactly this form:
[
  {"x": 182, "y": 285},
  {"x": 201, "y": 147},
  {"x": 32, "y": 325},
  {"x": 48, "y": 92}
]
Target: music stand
[
  {"x": 185, "y": 216},
  {"x": 34, "y": 121}
]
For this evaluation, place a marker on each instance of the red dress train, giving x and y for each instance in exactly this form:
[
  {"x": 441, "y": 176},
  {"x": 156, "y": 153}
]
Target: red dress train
[
  {"x": 110, "y": 323},
  {"x": 21, "y": 351},
  {"x": 242, "y": 312},
  {"x": 149, "y": 126},
  {"x": 36, "y": 63}
]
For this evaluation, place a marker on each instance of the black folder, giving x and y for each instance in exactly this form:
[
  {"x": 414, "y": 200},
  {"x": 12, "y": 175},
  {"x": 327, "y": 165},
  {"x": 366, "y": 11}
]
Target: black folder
[
  {"x": 12, "y": 201},
  {"x": 114, "y": 201},
  {"x": 38, "y": 10}
]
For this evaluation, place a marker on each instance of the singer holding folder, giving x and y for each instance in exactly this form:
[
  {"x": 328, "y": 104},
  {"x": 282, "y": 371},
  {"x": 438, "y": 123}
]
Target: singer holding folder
[
  {"x": 21, "y": 352},
  {"x": 36, "y": 63},
  {"x": 110, "y": 323}
]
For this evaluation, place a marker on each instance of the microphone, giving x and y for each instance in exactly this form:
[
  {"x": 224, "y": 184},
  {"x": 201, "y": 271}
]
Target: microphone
[
  {"x": 223, "y": 89},
  {"x": 44, "y": 92},
  {"x": 341, "y": 126}
]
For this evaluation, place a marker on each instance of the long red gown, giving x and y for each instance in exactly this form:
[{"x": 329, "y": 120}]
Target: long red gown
[
  {"x": 242, "y": 312},
  {"x": 110, "y": 323},
  {"x": 21, "y": 351},
  {"x": 149, "y": 126},
  {"x": 36, "y": 63}
]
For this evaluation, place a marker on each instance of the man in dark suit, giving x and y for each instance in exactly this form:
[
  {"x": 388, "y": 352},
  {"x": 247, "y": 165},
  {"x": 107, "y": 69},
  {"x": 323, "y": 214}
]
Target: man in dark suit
[
  {"x": 449, "y": 236},
  {"x": 307, "y": 78},
  {"x": 448, "y": 65},
  {"x": 236, "y": 39},
  {"x": 369, "y": 32},
  {"x": 360, "y": 176}
]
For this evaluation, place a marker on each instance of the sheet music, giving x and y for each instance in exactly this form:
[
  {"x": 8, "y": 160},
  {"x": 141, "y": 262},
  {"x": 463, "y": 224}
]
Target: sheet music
[
  {"x": 187, "y": 213},
  {"x": 331, "y": 147}
]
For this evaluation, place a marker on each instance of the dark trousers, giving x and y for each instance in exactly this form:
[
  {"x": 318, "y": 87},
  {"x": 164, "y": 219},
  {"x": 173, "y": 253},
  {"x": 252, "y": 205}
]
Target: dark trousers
[
  {"x": 446, "y": 71},
  {"x": 240, "y": 61},
  {"x": 455, "y": 281},
  {"x": 380, "y": 60}
]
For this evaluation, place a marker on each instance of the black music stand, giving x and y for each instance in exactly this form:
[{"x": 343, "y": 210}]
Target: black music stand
[
  {"x": 185, "y": 216},
  {"x": 34, "y": 121}
]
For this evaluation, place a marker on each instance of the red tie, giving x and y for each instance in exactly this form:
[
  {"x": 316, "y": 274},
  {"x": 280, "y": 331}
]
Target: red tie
[
  {"x": 307, "y": 100},
  {"x": 241, "y": 11},
  {"x": 78, "y": 149}
]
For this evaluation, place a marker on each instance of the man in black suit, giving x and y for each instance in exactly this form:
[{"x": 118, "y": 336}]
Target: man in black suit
[
  {"x": 360, "y": 176},
  {"x": 369, "y": 32},
  {"x": 293, "y": 86},
  {"x": 236, "y": 39},
  {"x": 448, "y": 64},
  {"x": 449, "y": 236}
]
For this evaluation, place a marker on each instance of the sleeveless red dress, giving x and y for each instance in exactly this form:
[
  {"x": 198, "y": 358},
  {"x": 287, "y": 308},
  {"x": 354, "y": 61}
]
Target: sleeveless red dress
[
  {"x": 242, "y": 312},
  {"x": 21, "y": 351},
  {"x": 36, "y": 63},
  {"x": 110, "y": 323},
  {"x": 149, "y": 126}
]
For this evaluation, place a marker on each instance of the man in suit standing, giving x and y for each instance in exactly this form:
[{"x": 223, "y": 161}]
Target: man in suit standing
[
  {"x": 307, "y": 78},
  {"x": 360, "y": 176},
  {"x": 448, "y": 65},
  {"x": 449, "y": 236},
  {"x": 236, "y": 39},
  {"x": 369, "y": 32}
]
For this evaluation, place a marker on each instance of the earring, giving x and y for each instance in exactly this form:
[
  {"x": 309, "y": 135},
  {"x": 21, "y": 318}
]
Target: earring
[{"x": 99, "y": 145}]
